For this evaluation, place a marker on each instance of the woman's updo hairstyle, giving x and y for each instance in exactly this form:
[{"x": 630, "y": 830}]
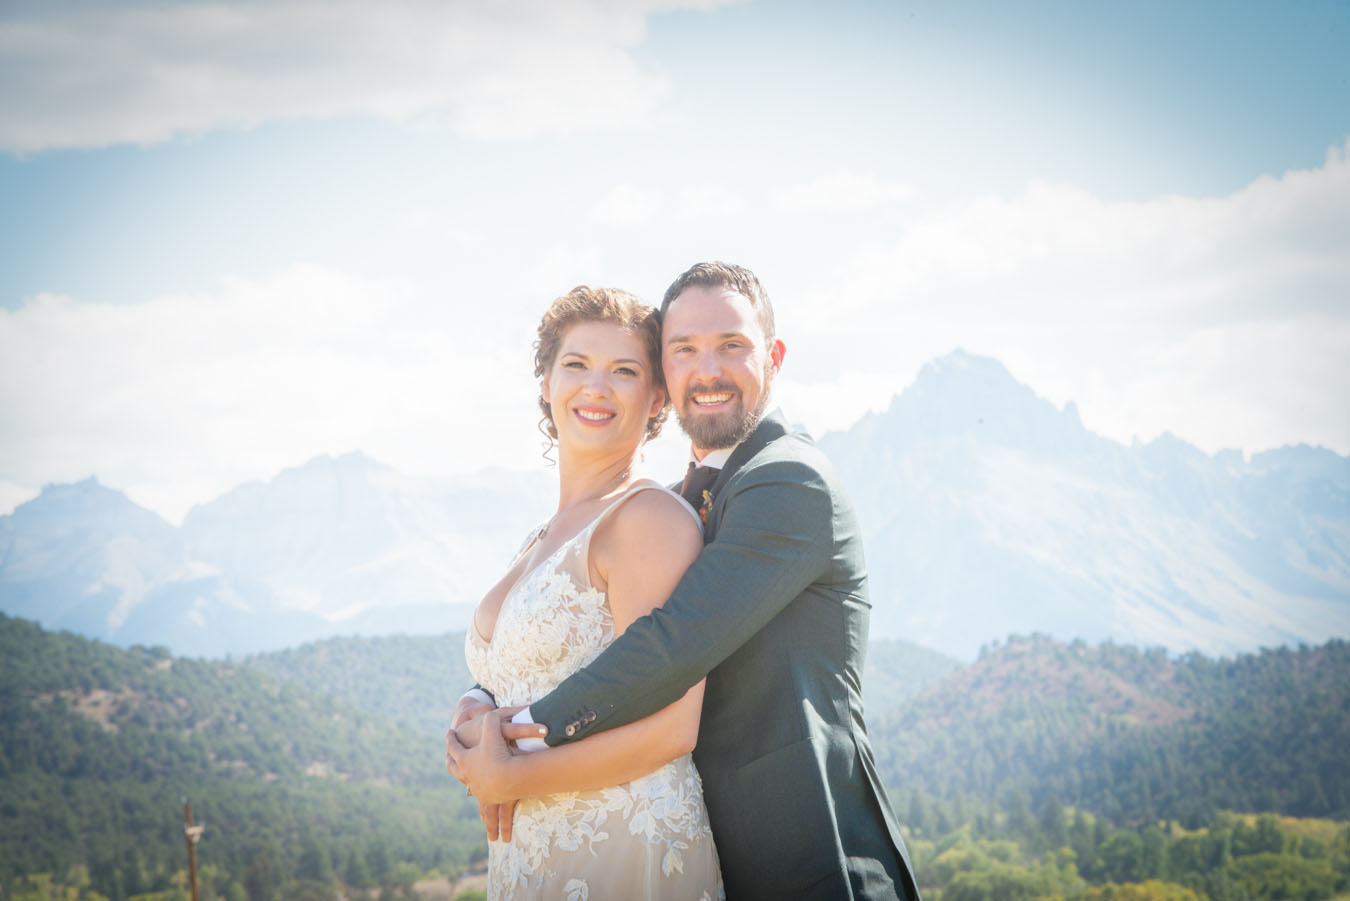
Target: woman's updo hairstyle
[{"x": 583, "y": 304}]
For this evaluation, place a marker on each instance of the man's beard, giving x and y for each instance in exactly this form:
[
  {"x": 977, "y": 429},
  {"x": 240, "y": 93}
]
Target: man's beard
[{"x": 716, "y": 431}]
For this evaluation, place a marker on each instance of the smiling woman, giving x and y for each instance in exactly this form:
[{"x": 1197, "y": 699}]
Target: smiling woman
[{"x": 609, "y": 318}]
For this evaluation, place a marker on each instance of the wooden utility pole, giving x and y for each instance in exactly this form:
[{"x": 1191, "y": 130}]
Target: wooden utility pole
[{"x": 193, "y": 832}]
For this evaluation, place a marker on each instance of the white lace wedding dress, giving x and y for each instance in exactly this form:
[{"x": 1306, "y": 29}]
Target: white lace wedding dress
[{"x": 645, "y": 839}]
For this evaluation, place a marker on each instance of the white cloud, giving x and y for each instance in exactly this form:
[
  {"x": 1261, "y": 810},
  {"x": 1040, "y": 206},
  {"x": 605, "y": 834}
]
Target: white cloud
[
  {"x": 633, "y": 205},
  {"x": 836, "y": 404},
  {"x": 1224, "y": 320},
  {"x": 92, "y": 75},
  {"x": 179, "y": 398},
  {"x": 12, "y": 495},
  {"x": 626, "y": 205},
  {"x": 842, "y": 192},
  {"x": 702, "y": 202}
]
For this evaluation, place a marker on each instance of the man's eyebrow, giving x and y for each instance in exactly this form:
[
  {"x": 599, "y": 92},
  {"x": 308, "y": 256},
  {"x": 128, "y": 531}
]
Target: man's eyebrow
[{"x": 681, "y": 339}]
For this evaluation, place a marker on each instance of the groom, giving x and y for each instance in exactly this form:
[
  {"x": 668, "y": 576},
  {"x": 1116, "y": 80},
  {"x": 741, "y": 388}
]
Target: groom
[{"x": 774, "y": 612}]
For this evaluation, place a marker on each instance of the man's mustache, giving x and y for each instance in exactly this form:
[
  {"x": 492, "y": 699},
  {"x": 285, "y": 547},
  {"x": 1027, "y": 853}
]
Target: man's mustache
[{"x": 712, "y": 388}]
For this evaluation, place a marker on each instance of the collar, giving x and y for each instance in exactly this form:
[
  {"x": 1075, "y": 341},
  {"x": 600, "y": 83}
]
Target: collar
[{"x": 715, "y": 459}]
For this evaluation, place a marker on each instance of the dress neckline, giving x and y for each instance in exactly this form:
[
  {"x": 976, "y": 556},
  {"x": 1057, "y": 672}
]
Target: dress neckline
[{"x": 638, "y": 485}]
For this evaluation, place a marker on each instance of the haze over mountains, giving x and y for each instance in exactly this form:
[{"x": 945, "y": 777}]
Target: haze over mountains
[{"x": 986, "y": 511}]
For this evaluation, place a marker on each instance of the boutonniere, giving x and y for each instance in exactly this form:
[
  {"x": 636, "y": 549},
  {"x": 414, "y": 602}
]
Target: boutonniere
[{"x": 704, "y": 507}]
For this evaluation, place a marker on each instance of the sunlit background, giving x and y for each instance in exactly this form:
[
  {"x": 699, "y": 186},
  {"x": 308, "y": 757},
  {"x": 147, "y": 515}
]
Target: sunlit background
[{"x": 236, "y": 236}]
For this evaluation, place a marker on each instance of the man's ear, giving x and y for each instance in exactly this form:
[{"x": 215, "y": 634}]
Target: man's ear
[{"x": 777, "y": 351}]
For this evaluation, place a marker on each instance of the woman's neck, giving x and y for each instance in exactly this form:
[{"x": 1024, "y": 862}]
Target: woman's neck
[{"x": 583, "y": 478}]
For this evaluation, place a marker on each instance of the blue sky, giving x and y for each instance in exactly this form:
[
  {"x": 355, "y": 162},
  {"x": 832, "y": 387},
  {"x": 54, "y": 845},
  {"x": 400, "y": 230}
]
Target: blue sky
[{"x": 239, "y": 235}]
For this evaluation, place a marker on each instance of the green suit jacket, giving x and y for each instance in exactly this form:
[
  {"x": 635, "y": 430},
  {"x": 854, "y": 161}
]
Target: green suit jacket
[{"x": 774, "y": 613}]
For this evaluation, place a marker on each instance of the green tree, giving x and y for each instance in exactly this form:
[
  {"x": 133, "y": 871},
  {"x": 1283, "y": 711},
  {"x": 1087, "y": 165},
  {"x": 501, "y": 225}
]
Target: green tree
[
  {"x": 1053, "y": 825},
  {"x": 1153, "y": 853},
  {"x": 1282, "y": 877},
  {"x": 357, "y": 872},
  {"x": 1122, "y": 856}
]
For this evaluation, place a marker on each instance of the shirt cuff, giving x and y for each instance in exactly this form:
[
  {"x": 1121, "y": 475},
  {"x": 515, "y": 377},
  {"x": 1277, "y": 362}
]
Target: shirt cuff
[
  {"x": 528, "y": 744},
  {"x": 479, "y": 695}
]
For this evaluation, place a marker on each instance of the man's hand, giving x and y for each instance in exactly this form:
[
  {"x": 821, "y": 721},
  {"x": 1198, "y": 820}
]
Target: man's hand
[{"x": 470, "y": 732}]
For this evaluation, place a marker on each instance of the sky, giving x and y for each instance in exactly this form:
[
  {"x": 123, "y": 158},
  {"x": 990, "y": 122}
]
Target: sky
[{"x": 234, "y": 236}]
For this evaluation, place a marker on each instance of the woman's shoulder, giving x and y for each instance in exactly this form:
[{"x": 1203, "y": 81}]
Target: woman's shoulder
[
  {"x": 652, "y": 507},
  {"x": 651, "y": 533}
]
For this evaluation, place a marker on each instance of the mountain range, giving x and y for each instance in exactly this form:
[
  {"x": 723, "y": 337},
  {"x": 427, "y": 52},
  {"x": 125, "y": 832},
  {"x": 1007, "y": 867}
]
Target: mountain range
[{"x": 986, "y": 511}]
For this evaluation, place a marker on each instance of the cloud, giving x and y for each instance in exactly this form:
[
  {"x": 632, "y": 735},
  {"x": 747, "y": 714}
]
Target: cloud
[
  {"x": 626, "y": 205},
  {"x": 179, "y": 398},
  {"x": 94, "y": 75},
  {"x": 705, "y": 201},
  {"x": 1221, "y": 319},
  {"x": 842, "y": 192},
  {"x": 633, "y": 205}
]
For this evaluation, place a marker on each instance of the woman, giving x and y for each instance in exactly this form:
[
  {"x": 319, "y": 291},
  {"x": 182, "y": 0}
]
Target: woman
[{"x": 621, "y": 814}]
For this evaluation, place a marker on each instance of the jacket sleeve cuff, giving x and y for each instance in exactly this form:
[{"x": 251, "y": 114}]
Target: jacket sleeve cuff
[{"x": 479, "y": 695}]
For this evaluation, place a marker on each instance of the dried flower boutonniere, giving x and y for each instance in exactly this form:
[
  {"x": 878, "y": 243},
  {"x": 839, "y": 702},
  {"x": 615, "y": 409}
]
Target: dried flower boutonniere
[{"x": 704, "y": 507}]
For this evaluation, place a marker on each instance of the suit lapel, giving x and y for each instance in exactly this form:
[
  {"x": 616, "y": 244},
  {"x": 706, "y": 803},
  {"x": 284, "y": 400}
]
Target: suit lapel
[{"x": 772, "y": 427}]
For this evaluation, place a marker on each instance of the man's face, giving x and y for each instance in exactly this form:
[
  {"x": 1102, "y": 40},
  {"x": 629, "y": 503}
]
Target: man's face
[{"x": 718, "y": 365}]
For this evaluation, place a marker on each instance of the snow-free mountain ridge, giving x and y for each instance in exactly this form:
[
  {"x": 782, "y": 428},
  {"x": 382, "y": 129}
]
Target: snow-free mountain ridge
[{"x": 986, "y": 511}]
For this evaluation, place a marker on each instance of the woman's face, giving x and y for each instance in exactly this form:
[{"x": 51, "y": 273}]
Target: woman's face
[{"x": 600, "y": 388}]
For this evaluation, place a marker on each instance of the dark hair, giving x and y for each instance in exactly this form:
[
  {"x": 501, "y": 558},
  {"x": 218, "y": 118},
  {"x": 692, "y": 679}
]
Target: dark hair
[
  {"x": 725, "y": 275},
  {"x": 583, "y": 304}
]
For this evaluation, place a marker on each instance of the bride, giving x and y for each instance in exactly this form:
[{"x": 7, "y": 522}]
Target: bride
[{"x": 620, "y": 814}]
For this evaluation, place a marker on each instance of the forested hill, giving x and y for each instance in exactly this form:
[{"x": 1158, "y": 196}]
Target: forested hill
[
  {"x": 1132, "y": 734},
  {"x": 318, "y": 770},
  {"x": 98, "y": 744},
  {"x": 417, "y": 679}
]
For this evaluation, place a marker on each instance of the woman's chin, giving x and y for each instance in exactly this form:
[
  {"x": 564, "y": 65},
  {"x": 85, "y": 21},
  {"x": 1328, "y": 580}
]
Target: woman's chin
[{"x": 600, "y": 443}]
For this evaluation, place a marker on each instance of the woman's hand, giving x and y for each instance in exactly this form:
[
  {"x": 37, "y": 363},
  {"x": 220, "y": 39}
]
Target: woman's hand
[
  {"x": 487, "y": 768},
  {"x": 497, "y": 820}
]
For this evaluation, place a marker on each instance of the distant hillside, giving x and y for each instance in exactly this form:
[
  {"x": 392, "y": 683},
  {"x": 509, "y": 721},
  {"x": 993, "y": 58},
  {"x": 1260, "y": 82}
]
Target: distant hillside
[
  {"x": 98, "y": 745},
  {"x": 318, "y": 770},
  {"x": 418, "y": 679},
  {"x": 414, "y": 680},
  {"x": 1132, "y": 734}
]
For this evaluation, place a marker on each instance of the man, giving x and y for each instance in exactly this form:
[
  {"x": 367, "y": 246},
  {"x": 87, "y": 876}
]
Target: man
[{"x": 774, "y": 612}]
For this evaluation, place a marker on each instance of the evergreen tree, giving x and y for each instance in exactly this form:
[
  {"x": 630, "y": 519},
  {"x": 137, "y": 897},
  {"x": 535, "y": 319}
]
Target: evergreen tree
[
  {"x": 1053, "y": 824},
  {"x": 357, "y": 873}
]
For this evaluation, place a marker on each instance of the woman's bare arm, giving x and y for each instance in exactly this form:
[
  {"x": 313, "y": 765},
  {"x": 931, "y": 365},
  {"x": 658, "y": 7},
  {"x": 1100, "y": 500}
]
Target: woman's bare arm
[{"x": 639, "y": 554}]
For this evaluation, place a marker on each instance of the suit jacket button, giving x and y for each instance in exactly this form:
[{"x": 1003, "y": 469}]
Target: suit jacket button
[
  {"x": 589, "y": 717},
  {"x": 571, "y": 729}
]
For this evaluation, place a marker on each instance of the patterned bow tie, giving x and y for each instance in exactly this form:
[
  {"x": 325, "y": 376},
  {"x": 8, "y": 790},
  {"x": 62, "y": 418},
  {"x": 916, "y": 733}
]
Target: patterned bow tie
[{"x": 696, "y": 481}]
